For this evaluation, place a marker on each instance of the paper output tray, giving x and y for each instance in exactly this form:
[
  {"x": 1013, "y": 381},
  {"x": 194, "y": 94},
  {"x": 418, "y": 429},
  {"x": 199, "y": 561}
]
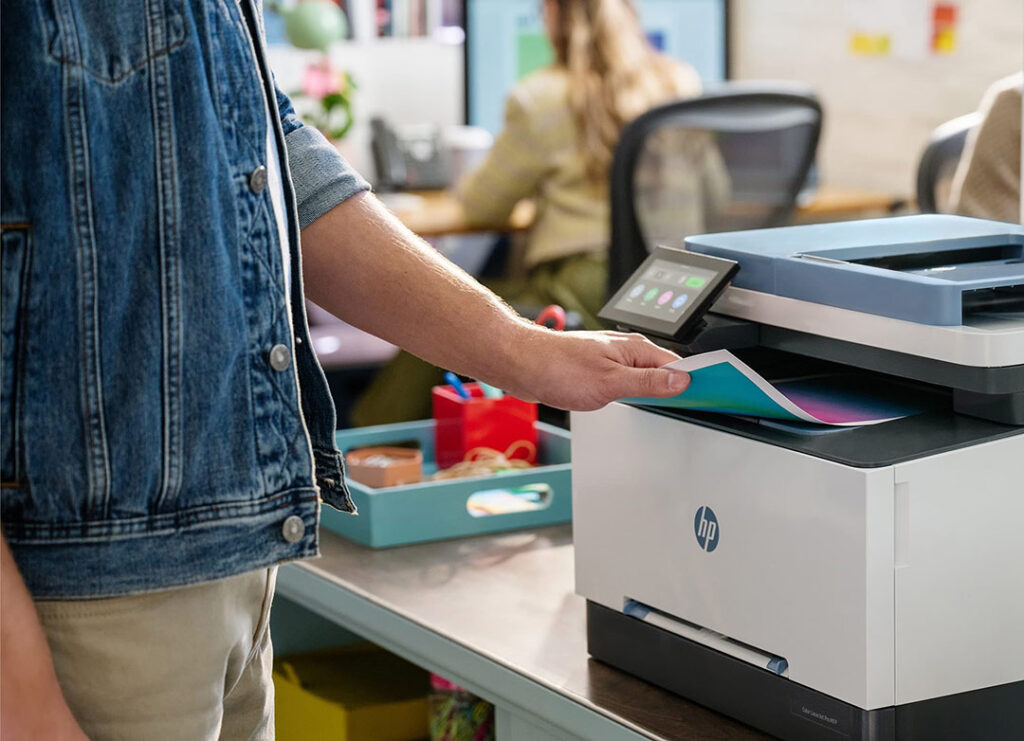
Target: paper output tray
[{"x": 939, "y": 428}]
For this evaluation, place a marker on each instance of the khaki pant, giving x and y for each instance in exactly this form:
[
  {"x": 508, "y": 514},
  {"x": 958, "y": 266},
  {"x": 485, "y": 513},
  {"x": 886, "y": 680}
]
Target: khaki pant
[{"x": 189, "y": 663}]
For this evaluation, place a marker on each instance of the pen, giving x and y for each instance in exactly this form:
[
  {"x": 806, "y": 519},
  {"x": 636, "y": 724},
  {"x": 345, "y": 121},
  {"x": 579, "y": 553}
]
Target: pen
[{"x": 453, "y": 380}]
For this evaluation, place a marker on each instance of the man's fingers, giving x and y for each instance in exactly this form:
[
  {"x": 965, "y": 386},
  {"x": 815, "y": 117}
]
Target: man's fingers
[
  {"x": 642, "y": 353},
  {"x": 659, "y": 356},
  {"x": 657, "y": 382}
]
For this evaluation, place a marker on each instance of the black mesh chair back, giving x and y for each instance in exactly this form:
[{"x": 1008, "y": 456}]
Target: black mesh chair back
[
  {"x": 733, "y": 159},
  {"x": 938, "y": 163}
]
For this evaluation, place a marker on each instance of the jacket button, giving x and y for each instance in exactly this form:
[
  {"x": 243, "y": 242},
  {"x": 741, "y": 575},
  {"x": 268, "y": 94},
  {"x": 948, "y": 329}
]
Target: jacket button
[
  {"x": 280, "y": 357},
  {"x": 293, "y": 529},
  {"x": 258, "y": 179}
]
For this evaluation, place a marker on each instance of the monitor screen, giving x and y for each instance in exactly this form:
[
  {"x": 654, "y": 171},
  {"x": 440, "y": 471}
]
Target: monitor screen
[{"x": 505, "y": 41}]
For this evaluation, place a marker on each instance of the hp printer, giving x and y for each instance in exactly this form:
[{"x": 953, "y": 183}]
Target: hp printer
[{"x": 862, "y": 582}]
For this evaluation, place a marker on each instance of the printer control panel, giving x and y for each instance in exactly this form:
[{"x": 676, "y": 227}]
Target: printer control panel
[{"x": 669, "y": 293}]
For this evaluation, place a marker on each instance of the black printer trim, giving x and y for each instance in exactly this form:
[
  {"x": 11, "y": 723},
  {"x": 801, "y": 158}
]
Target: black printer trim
[{"x": 782, "y": 707}]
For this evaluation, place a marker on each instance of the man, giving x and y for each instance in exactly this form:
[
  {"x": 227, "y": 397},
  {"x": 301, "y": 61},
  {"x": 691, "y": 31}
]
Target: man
[{"x": 167, "y": 433}]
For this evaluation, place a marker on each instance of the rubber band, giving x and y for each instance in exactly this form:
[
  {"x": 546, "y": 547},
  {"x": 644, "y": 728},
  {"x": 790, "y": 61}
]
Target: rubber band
[{"x": 485, "y": 461}]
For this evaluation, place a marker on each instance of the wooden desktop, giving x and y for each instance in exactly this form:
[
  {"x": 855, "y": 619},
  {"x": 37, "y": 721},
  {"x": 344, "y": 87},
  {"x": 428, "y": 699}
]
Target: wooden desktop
[{"x": 438, "y": 213}]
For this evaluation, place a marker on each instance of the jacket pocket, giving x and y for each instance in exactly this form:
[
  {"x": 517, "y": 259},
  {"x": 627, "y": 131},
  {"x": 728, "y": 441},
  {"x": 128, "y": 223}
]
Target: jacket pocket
[
  {"x": 15, "y": 269},
  {"x": 112, "y": 40}
]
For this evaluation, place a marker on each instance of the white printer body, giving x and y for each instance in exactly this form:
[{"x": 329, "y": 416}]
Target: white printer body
[{"x": 862, "y": 582}]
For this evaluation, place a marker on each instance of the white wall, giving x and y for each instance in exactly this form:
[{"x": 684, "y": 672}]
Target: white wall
[
  {"x": 879, "y": 111},
  {"x": 405, "y": 80}
]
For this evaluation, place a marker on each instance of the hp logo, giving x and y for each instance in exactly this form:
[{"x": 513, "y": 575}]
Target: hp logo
[{"x": 705, "y": 527}]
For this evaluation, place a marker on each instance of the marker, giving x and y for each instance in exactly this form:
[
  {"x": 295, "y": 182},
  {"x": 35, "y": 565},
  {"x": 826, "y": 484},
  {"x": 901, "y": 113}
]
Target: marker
[
  {"x": 491, "y": 392},
  {"x": 453, "y": 380}
]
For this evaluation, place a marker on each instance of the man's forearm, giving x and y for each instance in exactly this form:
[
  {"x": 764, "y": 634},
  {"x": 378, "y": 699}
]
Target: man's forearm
[{"x": 364, "y": 266}]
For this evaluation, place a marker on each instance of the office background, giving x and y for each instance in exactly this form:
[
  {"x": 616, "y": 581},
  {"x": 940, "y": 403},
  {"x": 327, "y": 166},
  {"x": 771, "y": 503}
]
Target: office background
[{"x": 880, "y": 111}]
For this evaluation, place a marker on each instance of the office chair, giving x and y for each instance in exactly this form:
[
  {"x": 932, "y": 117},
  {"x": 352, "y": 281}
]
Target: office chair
[
  {"x": 939, "y": 160},
  {"x": 730, "y": 159}
]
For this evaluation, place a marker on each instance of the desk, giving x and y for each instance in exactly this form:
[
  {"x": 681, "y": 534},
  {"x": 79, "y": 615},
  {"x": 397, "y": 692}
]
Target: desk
[
  {"x": 439, "y": 213},
  {"x": 837, "y": 204},
  {"x": 497, "y": 614}
]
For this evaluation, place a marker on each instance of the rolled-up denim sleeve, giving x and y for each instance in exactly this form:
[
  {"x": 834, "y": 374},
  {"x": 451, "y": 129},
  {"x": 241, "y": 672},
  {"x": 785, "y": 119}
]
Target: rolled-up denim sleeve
[{"x": 321, "y": 177}]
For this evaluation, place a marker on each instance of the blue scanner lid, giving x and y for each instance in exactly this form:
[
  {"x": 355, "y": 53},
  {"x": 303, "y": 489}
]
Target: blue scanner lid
[{"x": 921, "y": 268}]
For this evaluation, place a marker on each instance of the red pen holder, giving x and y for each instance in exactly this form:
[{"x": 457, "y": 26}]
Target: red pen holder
[{"x": 481, "y": 422}]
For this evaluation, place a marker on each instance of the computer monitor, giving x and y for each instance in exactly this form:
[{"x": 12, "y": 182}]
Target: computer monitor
[{"x": 505, "y": 41}]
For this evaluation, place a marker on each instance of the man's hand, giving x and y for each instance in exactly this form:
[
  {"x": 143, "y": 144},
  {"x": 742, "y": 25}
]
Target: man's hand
[
  {"x": 32, "y": 705},
  {"x": 582, "y": 371}
]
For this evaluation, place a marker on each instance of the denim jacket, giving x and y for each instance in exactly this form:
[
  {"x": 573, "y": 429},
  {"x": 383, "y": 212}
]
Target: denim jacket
[{"x": 164, "y": 418}]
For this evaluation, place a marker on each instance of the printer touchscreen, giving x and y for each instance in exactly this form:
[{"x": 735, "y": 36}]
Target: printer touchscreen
[
  {"x": 664, "y": 289},
  {"x": 669, "y": 293}
]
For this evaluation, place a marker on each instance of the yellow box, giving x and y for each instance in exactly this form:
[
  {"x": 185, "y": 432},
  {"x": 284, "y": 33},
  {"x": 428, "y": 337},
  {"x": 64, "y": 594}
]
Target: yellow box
[{"x": 353, "y": 693}]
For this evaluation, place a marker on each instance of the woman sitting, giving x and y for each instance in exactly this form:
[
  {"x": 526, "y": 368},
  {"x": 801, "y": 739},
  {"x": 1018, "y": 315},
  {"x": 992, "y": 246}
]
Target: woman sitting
[{"x": 562, "y": 124}]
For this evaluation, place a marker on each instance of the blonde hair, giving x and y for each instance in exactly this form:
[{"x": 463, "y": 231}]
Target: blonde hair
[{"x": 614, "y": 74}]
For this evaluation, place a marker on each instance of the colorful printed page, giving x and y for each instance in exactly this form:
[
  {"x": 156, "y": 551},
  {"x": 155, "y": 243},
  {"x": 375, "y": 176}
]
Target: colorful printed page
[{"x": 721, "y": 382}]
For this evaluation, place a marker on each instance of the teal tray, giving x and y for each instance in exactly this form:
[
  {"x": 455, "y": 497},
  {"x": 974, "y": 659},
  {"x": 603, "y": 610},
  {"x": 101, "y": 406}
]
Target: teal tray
[{"x": 436, "y": 510}]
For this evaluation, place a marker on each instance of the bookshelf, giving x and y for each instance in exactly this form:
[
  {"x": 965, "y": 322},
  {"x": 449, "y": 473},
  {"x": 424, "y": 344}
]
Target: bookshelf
[{"x": 381, "y": 19}]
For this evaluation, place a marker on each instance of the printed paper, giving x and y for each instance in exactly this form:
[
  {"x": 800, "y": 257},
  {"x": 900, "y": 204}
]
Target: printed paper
[{"x": 721, "y": 382}]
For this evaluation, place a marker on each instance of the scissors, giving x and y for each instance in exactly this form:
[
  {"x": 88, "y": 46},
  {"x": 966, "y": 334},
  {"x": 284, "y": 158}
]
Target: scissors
[{"x": 554, "y": 314}]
